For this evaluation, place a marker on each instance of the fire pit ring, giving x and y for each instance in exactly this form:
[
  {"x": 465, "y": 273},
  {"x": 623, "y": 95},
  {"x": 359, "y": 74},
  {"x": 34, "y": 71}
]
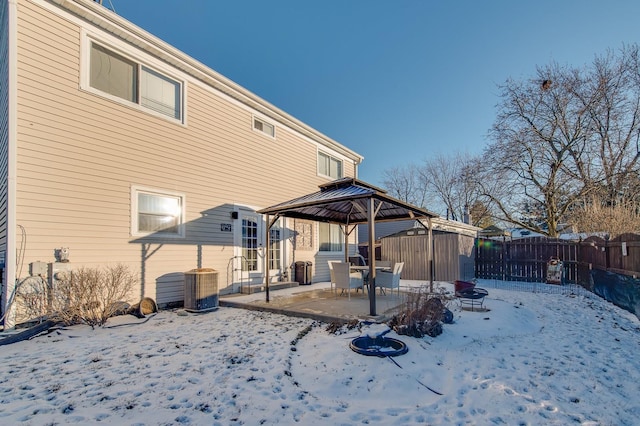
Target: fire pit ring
[{"x": 378, "y": 346}]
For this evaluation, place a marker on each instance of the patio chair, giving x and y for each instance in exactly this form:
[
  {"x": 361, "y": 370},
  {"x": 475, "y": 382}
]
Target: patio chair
[
  {"x": 345, "y": 279},
  {"x": 384, "y": 264},
  {"x": 390, "y": 280},
  {"x": 333, "y": 280}
]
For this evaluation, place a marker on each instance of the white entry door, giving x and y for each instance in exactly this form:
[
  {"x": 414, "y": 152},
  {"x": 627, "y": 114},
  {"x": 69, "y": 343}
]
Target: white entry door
[
  {"x": 250, "y": 250},
  {"x": 251, "y": 244}
]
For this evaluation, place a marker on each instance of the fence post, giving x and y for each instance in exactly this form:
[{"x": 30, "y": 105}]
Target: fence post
[
  {"x": 476, "y": 263},
  {"x": 504, "y": 259}
]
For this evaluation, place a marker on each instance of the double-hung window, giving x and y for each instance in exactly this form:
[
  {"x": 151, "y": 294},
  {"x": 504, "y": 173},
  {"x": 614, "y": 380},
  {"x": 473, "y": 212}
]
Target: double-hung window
[
  {"x": 123, "y": 78},
  {"x": 330, "y": 236},
  {"x": 156, "y": 213},
  {"x": 329, "y": 166}
]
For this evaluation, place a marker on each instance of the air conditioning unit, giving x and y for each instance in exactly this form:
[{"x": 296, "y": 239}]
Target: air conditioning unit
[{"x": 201, "y": 290}]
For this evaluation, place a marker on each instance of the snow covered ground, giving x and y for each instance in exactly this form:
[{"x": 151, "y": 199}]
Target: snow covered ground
[{"x": 533, "y": 359}]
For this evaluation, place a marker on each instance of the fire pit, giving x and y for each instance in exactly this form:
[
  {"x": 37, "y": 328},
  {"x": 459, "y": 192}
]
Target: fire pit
[{"x": 378, "y": 346}]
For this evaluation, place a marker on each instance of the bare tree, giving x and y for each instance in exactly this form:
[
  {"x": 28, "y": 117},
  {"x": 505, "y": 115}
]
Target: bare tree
[
  {"x": 611, "y": 96},
  {"x": 406, "y": 184},
  {"x": 453, "y": 181},
  {"x": 448, "y": 182},
  {"x": 443, "y": 173},
  {"x": 539, "y": 141},
  {"x": 481, "y": 214},
  {"x": 565, "y": 140}
]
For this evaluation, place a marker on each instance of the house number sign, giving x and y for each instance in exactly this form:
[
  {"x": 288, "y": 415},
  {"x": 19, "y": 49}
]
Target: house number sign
[{"x": 225, "y": 227}]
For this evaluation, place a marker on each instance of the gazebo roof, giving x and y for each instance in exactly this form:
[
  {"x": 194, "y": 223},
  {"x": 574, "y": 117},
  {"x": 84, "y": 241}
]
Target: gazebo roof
[{"x": 345, "y": 201}]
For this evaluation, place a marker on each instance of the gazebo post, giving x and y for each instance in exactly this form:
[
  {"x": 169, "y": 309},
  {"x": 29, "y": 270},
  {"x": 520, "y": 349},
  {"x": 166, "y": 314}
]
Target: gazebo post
[
  {"x": 345, "y": 234},
  {"x": 371, "y": 212},
  {"x": 430, "y": 250},
  {"x": 267, "y": 257}
]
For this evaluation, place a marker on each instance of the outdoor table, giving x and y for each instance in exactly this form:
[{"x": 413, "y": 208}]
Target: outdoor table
[
  {"x": 365, "y": 272},
  {"x": 366, "y": 268}
]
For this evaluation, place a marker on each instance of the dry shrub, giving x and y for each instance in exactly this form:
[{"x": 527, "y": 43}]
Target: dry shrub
[
  {"x": 340, "y": 328},
  {"x": 422, "y": 313},
  {"x": 615, "y": 220},
  {"x": 31, "y": 299},
  {"x": 91, "y": 295}
]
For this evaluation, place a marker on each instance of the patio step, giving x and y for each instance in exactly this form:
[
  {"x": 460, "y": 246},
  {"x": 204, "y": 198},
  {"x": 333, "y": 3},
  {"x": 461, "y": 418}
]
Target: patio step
[{"x": 250, "y": 289}]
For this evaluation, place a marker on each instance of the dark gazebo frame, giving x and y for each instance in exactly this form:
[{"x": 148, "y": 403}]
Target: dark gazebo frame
[{"x": 349, "y": 202}]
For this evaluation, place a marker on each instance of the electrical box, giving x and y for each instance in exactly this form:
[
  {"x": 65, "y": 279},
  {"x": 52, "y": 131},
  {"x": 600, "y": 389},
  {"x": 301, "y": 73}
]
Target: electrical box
[
  {"x": 38, "y": 269},
  {"x": 58, "y": 271}
]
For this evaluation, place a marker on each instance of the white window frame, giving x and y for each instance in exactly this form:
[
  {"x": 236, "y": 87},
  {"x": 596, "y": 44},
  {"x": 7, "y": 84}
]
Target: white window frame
[
  {"x": 340, "y": 240},
  {"x": 251, "y": 254},
  {"x": 255, "y": 119},
  {"x": 135, "y": 231},
  {"x": 275, "y": 246},
  {"x": 85, "y": 84},
  {"x": 330, "y": 158}
]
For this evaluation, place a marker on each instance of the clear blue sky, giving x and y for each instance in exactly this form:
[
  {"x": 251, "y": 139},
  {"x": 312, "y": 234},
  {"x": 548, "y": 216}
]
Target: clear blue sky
[{"x": 394, "y": 80}]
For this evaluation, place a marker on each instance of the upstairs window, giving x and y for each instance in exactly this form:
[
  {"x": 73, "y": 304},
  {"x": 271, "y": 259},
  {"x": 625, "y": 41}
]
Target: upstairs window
[
  {"x": 113, "y": 74},
  {"x": 264, "y": 127},
  {"x": 329, "y": 166},
  {"x": 126, "y": 79},
  {"x": 159, "y": 93}
]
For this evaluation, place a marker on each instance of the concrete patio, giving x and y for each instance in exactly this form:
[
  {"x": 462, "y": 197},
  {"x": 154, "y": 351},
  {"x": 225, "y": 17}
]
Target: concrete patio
[{"x": 319, "y": 302}]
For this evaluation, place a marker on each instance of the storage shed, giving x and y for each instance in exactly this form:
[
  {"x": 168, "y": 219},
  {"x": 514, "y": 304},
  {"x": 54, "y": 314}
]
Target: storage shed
[{"x": 453, "y": 254}]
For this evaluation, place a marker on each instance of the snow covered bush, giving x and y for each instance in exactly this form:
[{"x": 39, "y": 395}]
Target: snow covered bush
[{"x": 422, "y": 314}]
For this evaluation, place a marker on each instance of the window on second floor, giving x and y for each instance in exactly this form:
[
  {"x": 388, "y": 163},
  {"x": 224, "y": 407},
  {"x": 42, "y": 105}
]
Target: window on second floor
[
  {"x": 264, "y": 127},
  {"x": 329, "y": 166},
  {"x": 123, "y": 78}
]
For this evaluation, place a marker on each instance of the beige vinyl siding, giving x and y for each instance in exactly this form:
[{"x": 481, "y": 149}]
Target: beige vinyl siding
[{"x": 79, "y": 154}]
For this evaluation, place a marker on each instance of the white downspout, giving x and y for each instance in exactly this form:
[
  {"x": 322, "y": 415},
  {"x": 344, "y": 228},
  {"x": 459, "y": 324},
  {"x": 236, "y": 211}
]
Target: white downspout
[{"x": 10, "y": 256}]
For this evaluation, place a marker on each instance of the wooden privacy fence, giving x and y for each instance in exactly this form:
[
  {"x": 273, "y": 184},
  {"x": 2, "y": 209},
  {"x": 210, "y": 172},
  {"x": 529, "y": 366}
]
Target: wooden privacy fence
[{"x": 526, "y": 259}]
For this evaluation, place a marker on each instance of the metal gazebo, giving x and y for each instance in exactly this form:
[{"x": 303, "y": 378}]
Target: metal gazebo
[{"x": 348, "y": 202}]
